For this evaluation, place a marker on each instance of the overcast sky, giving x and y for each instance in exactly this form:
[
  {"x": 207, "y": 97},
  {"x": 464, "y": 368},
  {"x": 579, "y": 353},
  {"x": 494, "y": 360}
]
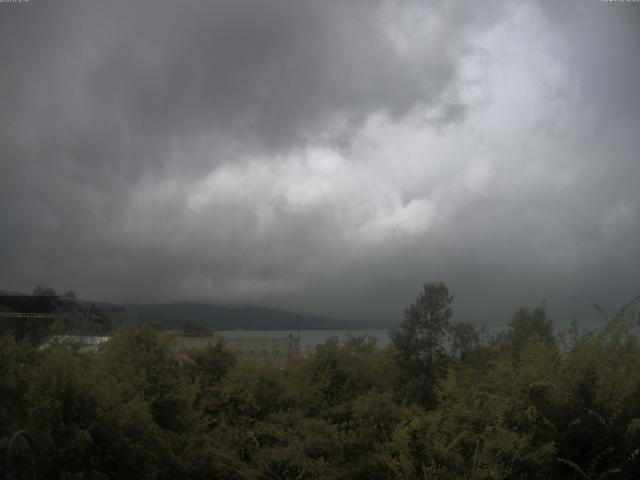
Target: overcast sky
[{"x": 323, "y": 156}]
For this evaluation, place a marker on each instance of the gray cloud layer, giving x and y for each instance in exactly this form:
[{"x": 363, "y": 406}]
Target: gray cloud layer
[{"x": 326, "y": 156}]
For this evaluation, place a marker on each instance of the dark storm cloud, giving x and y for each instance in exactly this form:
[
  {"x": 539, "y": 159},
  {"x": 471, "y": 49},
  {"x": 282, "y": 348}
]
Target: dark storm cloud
[
  {"x": 111, "y": 80},
  {"x": 98, "y": 97},
  {"x": 327, "y": 156},
  {"x": 598, "y": 40}
]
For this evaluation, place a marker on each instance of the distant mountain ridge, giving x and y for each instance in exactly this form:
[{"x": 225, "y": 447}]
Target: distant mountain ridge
[
  {"x": 246, "y": 317},
  {"x": 230, "y": 317},
  {"x": 9, "y": 292}
]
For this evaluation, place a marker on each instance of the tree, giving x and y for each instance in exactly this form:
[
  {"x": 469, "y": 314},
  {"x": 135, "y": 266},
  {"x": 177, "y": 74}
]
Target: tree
[
  {"x": 41, "y": 290},
  {"x": 468, "y": 344},
  {"x": 419, "y": 341},
  {"x": 528, "y": 325},
  {"x": 194, "y": 329}
]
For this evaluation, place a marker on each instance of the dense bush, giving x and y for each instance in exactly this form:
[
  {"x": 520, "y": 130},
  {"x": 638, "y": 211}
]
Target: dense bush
[{"x": 524, "y": 404}]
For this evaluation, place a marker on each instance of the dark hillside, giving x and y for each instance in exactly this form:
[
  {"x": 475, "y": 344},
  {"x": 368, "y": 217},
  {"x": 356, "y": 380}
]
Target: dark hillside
[{"x": 222, "y": 317}]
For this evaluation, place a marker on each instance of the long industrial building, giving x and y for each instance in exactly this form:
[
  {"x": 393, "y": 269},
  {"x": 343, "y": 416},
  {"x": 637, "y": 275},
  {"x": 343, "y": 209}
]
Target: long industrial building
[{"x": 278, "y": 349}]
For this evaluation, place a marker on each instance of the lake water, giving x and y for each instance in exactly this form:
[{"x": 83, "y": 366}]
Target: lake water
[{"x": 310, "y": 338}]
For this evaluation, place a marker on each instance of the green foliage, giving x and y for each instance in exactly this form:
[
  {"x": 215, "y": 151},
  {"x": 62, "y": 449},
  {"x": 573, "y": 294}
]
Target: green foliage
[
  {"x": 31, "y": 330},
  {"x": 44, "y": 291},
  {"x": 16, "y": 360},
  {"x": 470, "y": 345},
  {"x": 419, "y": 342},
  {"x": 442, "y": 402},
  {"x": 528, "y": 325},
  {"x": 253, "y": 392},
  {"x": 193, "y": 329}
]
